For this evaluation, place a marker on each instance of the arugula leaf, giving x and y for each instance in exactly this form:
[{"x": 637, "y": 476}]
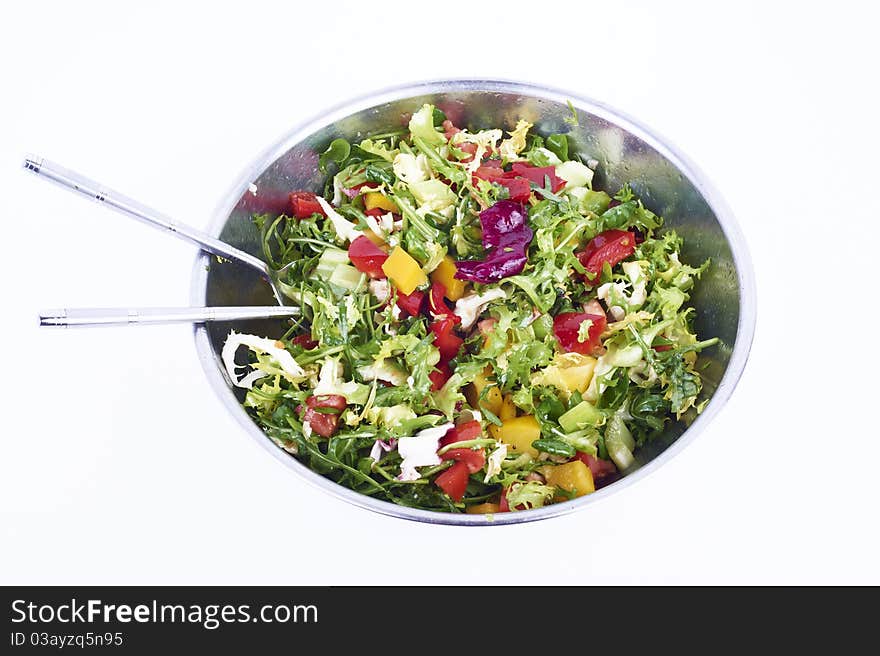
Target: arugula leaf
[
  {"x": 555, "y": 447},
  {"x": 338, "y": 151},
  {"x": 379, "y": 173}
]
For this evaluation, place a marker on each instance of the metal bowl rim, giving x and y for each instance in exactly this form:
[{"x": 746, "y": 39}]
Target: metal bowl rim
[{"x": 729, "y": 226}]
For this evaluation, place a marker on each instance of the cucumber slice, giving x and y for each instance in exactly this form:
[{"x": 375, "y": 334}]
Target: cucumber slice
[
  {"x": 581, "y": 416},
  {"x": 346, "y": 276},
  {"x": 619, "y": 442}
]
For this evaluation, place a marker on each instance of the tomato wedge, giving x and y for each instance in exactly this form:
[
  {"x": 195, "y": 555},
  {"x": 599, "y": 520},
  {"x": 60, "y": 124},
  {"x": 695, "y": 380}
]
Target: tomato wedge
[
  {"x": 469, "y": 149},
  {"x": 322, "y": 413},
  {"x": 610, "y": 246},
  {"x": 488, "y": 172},
  {"x": 303, "y": 204},
  {"x": 445, "y": 339},
  {"x": 598, "y": 467},
  {"x": 454, "y": 480},
  {"x": 469, "y": 430},
  {"x": 537, "y": 174},
  {"x": 410, "y": 303},
  {"x": 367, "y": 257},
  {"x": 474, "y": 459},
  {"x": 449, "y": 129},
  {"x": 503, "y": 505},
  {"x": 566, "y": 327}
]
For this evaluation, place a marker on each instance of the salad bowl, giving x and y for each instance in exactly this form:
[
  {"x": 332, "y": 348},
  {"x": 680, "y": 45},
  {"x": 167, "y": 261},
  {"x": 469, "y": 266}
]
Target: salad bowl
[{"x": 624, "y": 152}]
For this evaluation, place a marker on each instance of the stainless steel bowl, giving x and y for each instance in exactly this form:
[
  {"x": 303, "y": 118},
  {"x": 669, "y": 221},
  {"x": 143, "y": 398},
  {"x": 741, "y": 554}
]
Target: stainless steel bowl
[{"x": 668, "y": 183}]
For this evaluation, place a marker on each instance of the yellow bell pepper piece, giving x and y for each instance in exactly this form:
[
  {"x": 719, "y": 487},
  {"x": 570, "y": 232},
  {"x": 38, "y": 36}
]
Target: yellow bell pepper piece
[
  {"x": 492, "y": 401},
  {"x": 483, "y": 509},
  {"x": 568, "y": 372},
  {"x": 519, "y": 433},
  {"x": 373, "y": 199},
  {"x": 445, "y": 275},
  {"x": 573, "y": 476},
  {"x": 404, "y": 271},
  {"x": 508, "y": 409}
]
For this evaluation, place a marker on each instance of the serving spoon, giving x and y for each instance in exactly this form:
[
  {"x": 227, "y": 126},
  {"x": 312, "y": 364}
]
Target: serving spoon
[
  {"x": 90, "y": 317},
  {"x": 73, "y": 181}
]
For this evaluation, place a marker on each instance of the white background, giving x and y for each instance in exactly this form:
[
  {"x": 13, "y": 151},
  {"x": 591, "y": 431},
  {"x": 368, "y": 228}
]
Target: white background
[{"x": 119, "y": 465}]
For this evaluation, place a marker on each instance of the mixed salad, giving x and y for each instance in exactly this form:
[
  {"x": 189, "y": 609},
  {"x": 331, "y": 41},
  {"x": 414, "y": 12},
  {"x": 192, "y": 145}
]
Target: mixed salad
[{"x": 482, "y": 331}]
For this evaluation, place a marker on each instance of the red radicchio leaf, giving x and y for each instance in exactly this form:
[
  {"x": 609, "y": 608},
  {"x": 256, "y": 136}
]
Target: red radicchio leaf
[{"x": 506, "y": 237}]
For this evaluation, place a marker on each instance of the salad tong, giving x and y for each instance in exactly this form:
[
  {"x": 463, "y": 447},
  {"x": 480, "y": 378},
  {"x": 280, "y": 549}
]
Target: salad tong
[{"x": 75, "y": 182}]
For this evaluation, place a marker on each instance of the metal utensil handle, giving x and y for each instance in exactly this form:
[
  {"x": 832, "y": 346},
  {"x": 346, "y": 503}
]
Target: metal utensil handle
[
  {"x": 79, "y": 183},
  {"x": 88, "y": 317}
]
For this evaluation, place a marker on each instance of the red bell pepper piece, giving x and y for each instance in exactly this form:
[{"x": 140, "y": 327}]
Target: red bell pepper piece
[
  {"x": 442, "y": 372},
  {"x": 410, "y": 303},
  {"x": 445, "y": 339},
  {"x": 518, "y": 189},
  {"x": 610, "y": 246},
  {"x": 537, "y": 174},
  {"x": 303, "y": 204},
  {"x": 436, "y": 300}
]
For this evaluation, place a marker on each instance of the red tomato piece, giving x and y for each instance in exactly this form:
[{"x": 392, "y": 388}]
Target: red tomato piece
[
  {"x": 610, "y": 246},
  {"x": 358, "y": 189},
  {"x": 367, "y": 257},
  {"x": 410, "y": 303},
  {"x": 518, "y": 189},
  {"x": 567, "y": 325},
  {"x": 334, "y": 401},
  {"x": 469, "y": 149},
  {"x": 303, "y": 204},
  {"x": 598, "y": 467},
  {"x": 474, "y": 459},
  {"x": 454, "y": 480},
  {"x": 451, "y": 435},
  {"x": 449, "y": 130},
  {"x": 442, "y": 372},
  {"x": 322, "y": 413},
  {"x": 324, "y": 425},
  {"x": 445, "y": 339},
  {"x": 305, "y": 341},
  {"x": 470, "y": 430},
  {"x": 662, "y": 344},
  {"x": 490, "y": 173},
  {"x": 504, "y": 505},
  {"x": 537, "y": 174}
]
